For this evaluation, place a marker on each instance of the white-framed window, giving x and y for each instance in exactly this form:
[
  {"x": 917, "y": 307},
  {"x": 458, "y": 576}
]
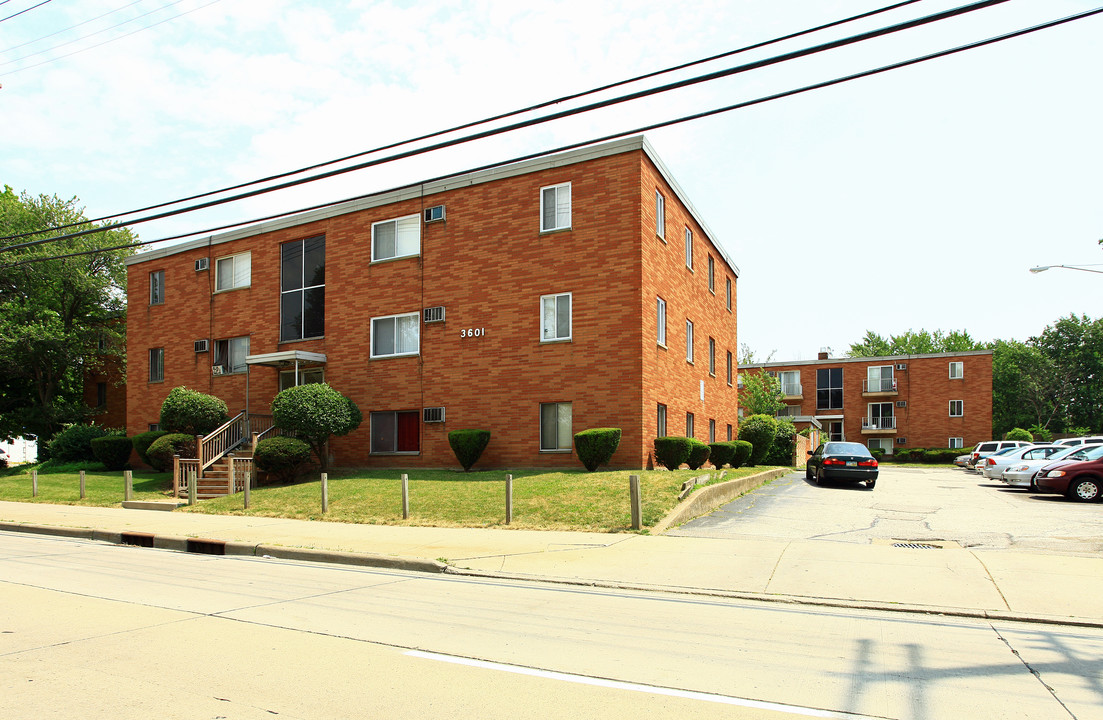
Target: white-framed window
[
  {"x": 884, "y": 444},
  {"x": 712, "y": 430},
  {"x": 660, "y": 320},
  {"x": 555, "y": 427},
  {"x": 712, "y": 357},
  {"x": 396, "y": 335},
  {"x": 230, "y": 354},
  {"x": 555, "y": 207},
  {"x": 956, "y": 443},
  {"x": 957, "y": 370},
  {"x": 156, "y": 364},
  {"x": 689, "y": 424},
  {"x": 157, "y": 287},
  {"x": 729, "y": 294},
  {"x": 306, "y": 376},
  {"x": 660, "y": 215},
  {"x": 303, "y": 289},
  {"x": 712, "y": 275},
  {"x": 879, "y": 378},
  {"x": 396, "y": 432},
  {"x": 879, "y": 416},
  {"x": 660, "y": 421},
  {"x": 689, "y": 341},
  {"x": 233, "y": 272},
  {"x": 957, "y": 408},
  {"x": 790, "y": 382},
  {"x": 729, "y": 368},
  {"x": 729, "y": 432},
  {"x": 396, "y": 238},
  {"x": 555, "y": 317},
  {"x": 689, "y": 248}
]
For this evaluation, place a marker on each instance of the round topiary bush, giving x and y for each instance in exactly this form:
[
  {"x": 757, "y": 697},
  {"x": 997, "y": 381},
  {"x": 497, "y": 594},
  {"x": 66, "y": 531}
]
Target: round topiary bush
[
  {"x": 468, "y": 445},
  {"x": 74, "y": 443},
  {"x": 192, "y": 412},
  {"x": 759, "y": 431},
  {"x": 142, "y": 441},
  {"x": 315, "y": 412},
  {"x": 163, "y": 448},
  {"x": 698, "y": 453},
  {"x": 1019, "y": 434},
  {"x": 113, "y": 451},
  {"x": 596, "y": 446},
  {"x": 671, "y": 452},
  {"x": 743, "y": 450},
  {"x": 281, "y": 457}
]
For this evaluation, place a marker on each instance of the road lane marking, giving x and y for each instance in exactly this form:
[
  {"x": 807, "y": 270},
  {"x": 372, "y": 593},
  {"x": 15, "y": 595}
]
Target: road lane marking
[{"x": 636, "y": 687}]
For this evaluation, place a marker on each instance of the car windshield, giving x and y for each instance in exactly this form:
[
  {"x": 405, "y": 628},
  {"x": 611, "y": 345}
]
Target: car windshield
[
  {"x": 1092, "y": 452},
  {"x": 1006, "y": 451},
  {"x": 845, "y": 448},
  {"x": 1065, "y": 452}
]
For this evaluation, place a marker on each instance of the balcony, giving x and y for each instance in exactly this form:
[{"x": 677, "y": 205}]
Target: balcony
[
  {"x": 879, "y": 388},
  {"x": 792, "y": 391},
  {"x": 879, "y": 426}
]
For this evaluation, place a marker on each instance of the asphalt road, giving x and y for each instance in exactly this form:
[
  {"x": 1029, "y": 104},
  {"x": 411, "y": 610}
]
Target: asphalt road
[
  {"x": 909, "y": 504},
  {"x": 102, "y": 631}
]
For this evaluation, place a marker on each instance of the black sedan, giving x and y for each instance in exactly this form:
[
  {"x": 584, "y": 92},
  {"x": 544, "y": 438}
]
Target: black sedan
[{"x": 842, "y": 461}]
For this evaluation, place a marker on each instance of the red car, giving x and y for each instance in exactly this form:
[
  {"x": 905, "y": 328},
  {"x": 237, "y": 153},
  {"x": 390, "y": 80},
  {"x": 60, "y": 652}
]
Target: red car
[{"x": 1078, "y": 476}]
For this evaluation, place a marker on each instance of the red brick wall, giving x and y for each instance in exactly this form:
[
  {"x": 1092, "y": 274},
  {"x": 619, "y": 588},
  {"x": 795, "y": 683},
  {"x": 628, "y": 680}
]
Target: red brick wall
[{"x": 113, "y": 413}]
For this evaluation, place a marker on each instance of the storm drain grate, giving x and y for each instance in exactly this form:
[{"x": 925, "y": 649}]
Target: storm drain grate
[{"x": 917, "y": 546}]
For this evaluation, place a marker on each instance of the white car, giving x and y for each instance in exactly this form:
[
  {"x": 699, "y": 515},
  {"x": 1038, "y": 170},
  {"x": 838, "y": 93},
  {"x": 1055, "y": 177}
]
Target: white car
[
  {"x": 1021, "y": 474},
  {"x": 1079, "y": 441},
  {"x": 993, "y": 466},
  {"x": 986, "y": 448}
]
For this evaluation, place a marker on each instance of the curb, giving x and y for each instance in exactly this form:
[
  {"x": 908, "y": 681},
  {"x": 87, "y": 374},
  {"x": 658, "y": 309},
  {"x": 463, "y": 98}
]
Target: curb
[{"x": 713, "y": 496}]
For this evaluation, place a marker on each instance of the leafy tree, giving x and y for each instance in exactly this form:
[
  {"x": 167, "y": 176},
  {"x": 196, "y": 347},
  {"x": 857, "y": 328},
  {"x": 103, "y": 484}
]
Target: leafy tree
[
  {"x": 56, "y": 315},
  {"x": 761, "y": 393},
  {"x": 315, "y": 412},
  {"x": 759, "y": 431},
  {"x": 914, "y": 343},
  {"x": 1025, "y": 387},
  {"x": 1074, "y": 345}
]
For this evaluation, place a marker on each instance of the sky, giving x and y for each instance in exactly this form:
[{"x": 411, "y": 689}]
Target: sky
[{"x": 915, "y": 199}]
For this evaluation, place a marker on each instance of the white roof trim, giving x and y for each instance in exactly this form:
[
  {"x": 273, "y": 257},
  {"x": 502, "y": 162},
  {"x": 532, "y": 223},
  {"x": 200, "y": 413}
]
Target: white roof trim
[{"x": 286, "y": 357}]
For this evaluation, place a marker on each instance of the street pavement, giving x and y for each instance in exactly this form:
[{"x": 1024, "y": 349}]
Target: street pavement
[{"x": 1012, "y": 584}]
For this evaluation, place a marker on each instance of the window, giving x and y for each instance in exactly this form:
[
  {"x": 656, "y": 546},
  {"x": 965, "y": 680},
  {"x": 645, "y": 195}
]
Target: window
[
  {"x": 157, "y": 288},
  {"x": 306, "y": 376},
  {"x": 956, "y": 442},
  {"x": 957, "y": 370},
  {"x": 396, "y": 238},
  {"x": 302, "y": 289},
  {"x": 790, "y": 382},
  {"x": 835, "y": 430},
  {"x": 395, "y": 335},
  {"x": 233, "y": 272},
  {"x": 230, "y": 354},
  {"x": 660, "y": 320},
  {"x": 555, "y": 427},
  {"x": 884, "y": 444},
  {"x": 957, "y": 408},
  {"x": 712, "y": 275},
  {"x": 879, "y": 379},
  {"x": 156, "y": 364},
  {"x": 154, "y": 427},
  {"x": 712, "y": 357},
  {"x": 555, "y": 314},
  {"x": 660, "y": 421},
  {"x": 879, "y": 416},
  {"x": 689, "y": 424},
  {"x": 689, "y": 248},
  {"x": 729, "y": 367},
  {"x": 729, "y": 294},
  {"x": 712, "y": 431},
  {"x": 729, "y": 433},
  {"x": 829, "y": 389},
  {"x": 555, "y": 207},
  {"x": 101, "y": 394},
  {"x": 660, "y": 215},
  {"x": 689, "y": 341},
  {"x": 395, "y": 432}
]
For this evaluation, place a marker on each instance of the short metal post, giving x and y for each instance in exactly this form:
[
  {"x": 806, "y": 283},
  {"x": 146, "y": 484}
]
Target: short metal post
[
  {"x": 248, "y": 482},
  {"x": 509, "y": 499},
  {"x": 128, "y": 485},
  {"x": 405, "y": 496},
  {"x": 325, "y": 492},
  {"x": 193, "y": 480},
  {"x": 635, "y": 500},
  {"x": 34, "y": 483},
  {"x": 83, "y": 494}
]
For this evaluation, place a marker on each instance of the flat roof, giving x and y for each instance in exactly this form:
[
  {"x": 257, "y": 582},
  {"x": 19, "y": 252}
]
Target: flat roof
[
  {"x": 881, "y": 358},
  {"x": 428, "y": 187},
  {"x": 285, "y": 358}
]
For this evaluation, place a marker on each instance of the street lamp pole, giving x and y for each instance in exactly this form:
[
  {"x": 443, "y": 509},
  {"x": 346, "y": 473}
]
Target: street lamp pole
[{"x": 1085, "y": 268}]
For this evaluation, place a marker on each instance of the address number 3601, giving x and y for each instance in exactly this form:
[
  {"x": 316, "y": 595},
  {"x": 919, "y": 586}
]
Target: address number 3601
[{"x": 472, "y": 332}]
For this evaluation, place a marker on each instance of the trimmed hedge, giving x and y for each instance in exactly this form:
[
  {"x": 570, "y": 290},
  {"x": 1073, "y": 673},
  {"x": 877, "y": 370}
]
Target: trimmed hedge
[
  {"x": 142, "y": 441},
  {"x": 759, "y": 431},
  {"x": 163, "y": 448},
  {"x": 721, "y": 453},
  {"x": 192, "y": 412},
  {"x": 281, "y": 457},
  {"x": 74, "y": 443},
  {"x": 596, "y": 446},
  {"x": 671, "y": 452},
  {"x": 941, "y": 456},
  {"x": 698, "y": 453},
  {"x": 743, "y": 450},
  {"x": 468, "y": 445},
  {"x": 113, "y": 451}
]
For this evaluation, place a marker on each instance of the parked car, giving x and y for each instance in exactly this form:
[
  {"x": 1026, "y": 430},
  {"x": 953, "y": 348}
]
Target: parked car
[
  {"x": 961, "y": 460},
  {"x": 1089, "y": 440},
  {"x": 986, "y": 448},
  {"x": 993, "y": 466},
  {"x": 1022, "y": 473},
  {"x": 1077, "y": 477},
  {"x": 842, "y": 461}
]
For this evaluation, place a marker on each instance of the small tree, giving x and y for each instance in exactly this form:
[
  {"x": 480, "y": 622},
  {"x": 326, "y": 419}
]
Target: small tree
[
  {"x": 671, "y": 452},
  {"x": 1040, "y": 434},
  {"x": 314, "y": 413},
  {"x": 468, "y": 445},
  {"x": 1019, "y": 434},
  {"x": 759, "y": 431},
  {"x": 596, "y": 446},
  {"x": 761, "y": 393},
  {"x": 192, "y": 412}
]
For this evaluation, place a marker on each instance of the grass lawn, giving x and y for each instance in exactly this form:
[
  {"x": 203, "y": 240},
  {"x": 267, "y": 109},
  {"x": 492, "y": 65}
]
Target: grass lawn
[{"x": 60, "y": 485}]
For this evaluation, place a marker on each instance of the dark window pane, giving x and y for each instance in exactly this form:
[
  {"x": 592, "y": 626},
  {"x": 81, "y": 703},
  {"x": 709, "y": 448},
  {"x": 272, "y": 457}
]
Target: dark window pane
[
  {"x": 382, "y": 432},
  {"x": 822, "y": 378},
  {"x": 383, "y": 337},
  {"x": 291, "y": 316},
  {"x": 548, "y": 433},
  {"x": 563, "y": 316},
  {"x": 314, "y": 312},
  {"x": 314, "y": 262},
  {"x": 836, "y": 398},
  {"x": 291, "y": 266},
  {"x": 408, "y": 427},
  {"x": 385, "y": 240}
]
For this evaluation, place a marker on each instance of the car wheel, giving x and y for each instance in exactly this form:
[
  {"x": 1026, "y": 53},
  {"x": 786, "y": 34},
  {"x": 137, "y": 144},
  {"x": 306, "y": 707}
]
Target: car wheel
[
  {"x": 1034, "y": 483},
  {"x": 870, "y": 484},
  {"x": 807, "y": 472},
  {"x": 1086, "y": 490}
]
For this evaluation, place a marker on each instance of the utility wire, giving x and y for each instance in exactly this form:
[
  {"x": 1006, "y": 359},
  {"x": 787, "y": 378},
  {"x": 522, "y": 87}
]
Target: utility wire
[
  {"x": 614, "y": 136},
  {"x": 484, "y": 121},
  {"x": 776, "y": 59},
  {"x": 82, "y": 37},
  {"x": 32, "y": 7}
]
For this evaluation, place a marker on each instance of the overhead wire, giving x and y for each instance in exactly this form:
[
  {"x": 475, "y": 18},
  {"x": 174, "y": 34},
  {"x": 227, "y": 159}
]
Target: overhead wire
[
  {"x": 635, "y": 131},
  {"x": 32, "y": 7},
  {"x": 83, "y": 37}
]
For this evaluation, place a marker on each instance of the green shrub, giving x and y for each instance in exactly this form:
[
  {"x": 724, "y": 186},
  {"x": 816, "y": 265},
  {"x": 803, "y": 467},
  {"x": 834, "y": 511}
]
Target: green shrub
[
  {"x": 743, "y": 450},
  {"x": 1040, "y": 434},
  {"x": 142, "y": 441},
  {"x": 192, "y": 412},
  {"x": 468, "y": 445},
  {"x": 315, "y": 412},
  {"x": 281, "y": 457},
  {"x": 698, "y": 453},
  {"x": 113, "y": 451},
  {"x": 721, "y": 453},
  {"x": 671, "y": 452},
  {"x": 759, "y": 431},
  {"x": 784, "y": 445},
  {"x": 596, "y": 446},
  {"x": 163, "y": 448},
  {"x": 943, "y": 456},
  {"x": 1019, "y": 434},
  {"x": 74, "y": 443},
  {"x": 878, "y": 454}
]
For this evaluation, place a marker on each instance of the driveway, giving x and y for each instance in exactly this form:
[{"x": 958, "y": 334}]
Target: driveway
[{"x": 909, "y": 504}]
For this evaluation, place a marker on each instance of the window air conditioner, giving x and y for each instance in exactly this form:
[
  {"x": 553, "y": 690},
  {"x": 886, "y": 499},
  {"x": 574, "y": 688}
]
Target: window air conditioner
[
  {"x": 901, "y": 441},
  {"x": 217, "y": 370},
  {"x": 434, "y": 214},
  {"x": 901, "y": 403},
  {"x": 202, "y": 264},
  {"x": 901, "y": 366},
  {"x": 432, "y": 415},
  {"x": 202, "y": 346},
  {"x": 434, "y": 314}
]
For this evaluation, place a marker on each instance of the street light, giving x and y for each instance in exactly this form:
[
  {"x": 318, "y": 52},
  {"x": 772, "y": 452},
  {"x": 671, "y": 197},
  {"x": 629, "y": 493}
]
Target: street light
[{"x": 1085, "y": 268}]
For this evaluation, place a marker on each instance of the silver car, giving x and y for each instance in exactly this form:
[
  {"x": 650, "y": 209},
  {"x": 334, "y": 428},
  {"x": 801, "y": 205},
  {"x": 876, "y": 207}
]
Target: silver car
[
  {"x": 1021, "y": 474},
  {"x": 993, "y": 466}
]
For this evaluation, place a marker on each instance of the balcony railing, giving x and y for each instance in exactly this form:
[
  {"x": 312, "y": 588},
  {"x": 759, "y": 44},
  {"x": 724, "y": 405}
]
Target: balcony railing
[
  {"x": 789, "y": 411},
  {"x": 882, "y": 385},
  {"x": 879, "y": 423},
  {"x": 792, "y": 390}
]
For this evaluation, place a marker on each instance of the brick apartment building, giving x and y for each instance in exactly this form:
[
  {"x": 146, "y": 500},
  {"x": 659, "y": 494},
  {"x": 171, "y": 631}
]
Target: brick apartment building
[
  {"x": 533, "y": 300},
  {"x": 931, "y": 401}
]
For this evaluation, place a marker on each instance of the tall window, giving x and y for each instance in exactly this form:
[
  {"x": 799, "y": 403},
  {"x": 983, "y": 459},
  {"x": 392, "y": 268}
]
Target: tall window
[
  {"x": 660, "y": 215},
  {"x": 396, "y": 238},
  {"x": 712, "y": 431},
  {"x": 712, "y": 275},
  {"x": 689, "y": 341},
  {"x": 156, "y": 364},
  {"x": 230, "y": 354},
  {"x": 101, "y": 394},
  {"x": 157, "y": 287},
  {"x": 880, "y": 416},
  {"x": 555, "y": 317},
  {"x": 395, "y": 432},
  {"x": 302, "y": 289},
  {"x": 729, "y": 294},
  {"x": 879, "y": 379},
  {"x": 555, "y": 427},
  {"x": 660, "y": 421},
  {"x": 689, "y": 248},
  {"x": 395, "y": 335},
  {"x": 729, "y": 367},
  {"x": 729, "y": 433},
  {"x": 957, "y": 370},
  {"x": 660, "y": 320},
  {"x": 790, "y": 382},
  {"x": 712, "y": 357},
  {"x": 829, "y": 389},
  {"x": 233, "y": 272},
  {"x": 957, "y": 408},
  {"x": 555, "y": 207},
  {"x": 689, "y": 424}
]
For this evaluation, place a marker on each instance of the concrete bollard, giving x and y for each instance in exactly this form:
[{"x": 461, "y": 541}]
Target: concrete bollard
[
  {"x": 83, "y": 493},
  {"x": 509, "y": 499},
  {"x": 128, "y": 485},
  {"x": 636, "y": 501},
  {"x": 325, "y": 493},
  {"x": 248, "y": 483},
  {"x": 34, "y": 483},
  {"x": 405, "y": 496}
]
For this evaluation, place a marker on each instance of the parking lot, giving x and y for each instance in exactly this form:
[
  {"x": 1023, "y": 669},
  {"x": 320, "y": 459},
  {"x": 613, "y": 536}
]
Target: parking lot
[{"x": 947, "y": 505}]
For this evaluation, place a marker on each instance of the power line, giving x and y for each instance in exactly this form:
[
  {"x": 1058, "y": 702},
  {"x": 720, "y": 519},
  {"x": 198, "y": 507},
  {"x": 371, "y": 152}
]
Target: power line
[
  {"x": 32, "y": 7},
  {"x": 73, "y": 27},
  {"x": 614, "y": 136},
  {"x": 774, "y": 60}
]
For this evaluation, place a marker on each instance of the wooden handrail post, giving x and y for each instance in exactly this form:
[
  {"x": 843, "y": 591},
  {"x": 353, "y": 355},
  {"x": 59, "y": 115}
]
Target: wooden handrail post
[{"x": 199, "y": 449}]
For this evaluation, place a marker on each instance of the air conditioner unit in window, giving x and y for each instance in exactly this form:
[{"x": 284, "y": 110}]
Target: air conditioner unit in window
[
  {"x": 901, "y": 403},
  {"x": 901, "y": 441},
  {"x": 432, "y": 415},
  {"x": 202, "y": 346},
  {"x": 434, "y": 214},
  {"x": 434, "y": 314},
  {"x": 217, "y": 370},
  {"x": 901, "y": 366},
  {"x": 202, "y": 264}
]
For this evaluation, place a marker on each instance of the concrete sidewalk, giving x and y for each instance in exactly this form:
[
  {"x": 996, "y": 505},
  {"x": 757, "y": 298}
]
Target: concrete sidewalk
[{"x": 998, "y": 584}]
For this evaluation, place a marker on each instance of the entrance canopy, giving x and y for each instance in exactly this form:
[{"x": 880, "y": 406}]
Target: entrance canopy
[{"x": 288, "y": 359}]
